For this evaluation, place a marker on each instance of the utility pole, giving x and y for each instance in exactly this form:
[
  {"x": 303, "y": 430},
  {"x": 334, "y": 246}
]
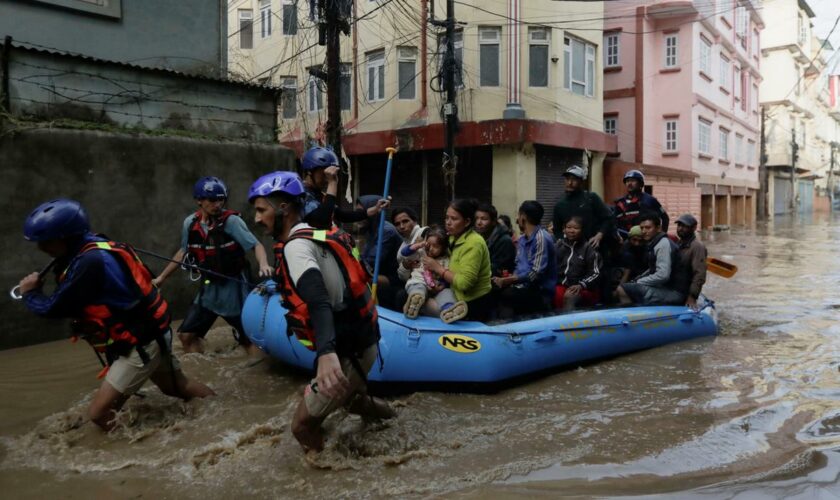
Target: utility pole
[
  {"x": 763, "y": 177},
  {"x": 334, "y": 20},
  {"x": 450, "y": 108},
  {"x": 794, "y": 156}
]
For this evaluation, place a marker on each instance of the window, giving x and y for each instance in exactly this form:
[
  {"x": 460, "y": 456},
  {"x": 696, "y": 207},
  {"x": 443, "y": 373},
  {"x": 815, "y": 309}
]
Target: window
[
  {"x": 741, "y": 20},
  {"x": 671, "y": 136},
  {"x": 488, "y": 41},
  {"x": 246, "y": 29},
  {"x": 750, "y": 153},
  {"x": 315, "y": 95},
  {"x": 739, "y": 149},
  {"x": 704, "y": 137},
  {"x": 538, "y": 44},
  {"x": 611, "y": 55},
  {"x": 611, "y": 125},
  {"x": 265, "y": 18},
  {"x": 290, "y": 24},
  {"x": 803, "y": 30},
  {"x": 755, "y": 43},
  {"x": 579, "y": 65},
  {"x": 344, "y": 93},
  {"x": 743, "y": 84},
  {"x": 724, "y": 71},
  {"x": 724, "y": 144},
  {"x": 671, "y": 51},
  {"x": 705, "y": 56},
  {"x": 407, "y": 68},
  {"x": 376, "y": 75},
  {"x": 289, "y": 96}
]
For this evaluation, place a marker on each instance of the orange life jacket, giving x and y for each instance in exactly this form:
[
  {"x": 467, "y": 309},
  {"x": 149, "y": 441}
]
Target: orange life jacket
[
  {"x": 116, "y": 332},
  {"x": 356, "y": 278},
  {"x": 214, "y": 249}
]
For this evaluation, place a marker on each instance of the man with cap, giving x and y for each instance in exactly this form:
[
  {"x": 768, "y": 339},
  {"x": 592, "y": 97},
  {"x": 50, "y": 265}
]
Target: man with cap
[
  {"x": 597, "y": 220},
  {"x": 692, "y": 256},
  {"x": 320, "y": 202},
  {"x": 326, "y": 291},
  {"x": 108, "y": 292},
  {"x": 636, "y": 202},
  {"x": 531, "y": 286},
  {"x": 216, "y": 238}
]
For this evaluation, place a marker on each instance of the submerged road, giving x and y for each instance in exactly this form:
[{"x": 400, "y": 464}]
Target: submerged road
[{"x": 754, "y": 412}]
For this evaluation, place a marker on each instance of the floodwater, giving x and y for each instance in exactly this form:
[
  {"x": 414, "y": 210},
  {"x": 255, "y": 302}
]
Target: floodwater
[{"x": 753, "y": 413}]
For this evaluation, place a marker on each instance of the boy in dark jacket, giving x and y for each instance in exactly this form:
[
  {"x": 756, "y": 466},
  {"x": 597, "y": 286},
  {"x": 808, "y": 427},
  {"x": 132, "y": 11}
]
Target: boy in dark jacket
[{"x": 497, "y": 237}]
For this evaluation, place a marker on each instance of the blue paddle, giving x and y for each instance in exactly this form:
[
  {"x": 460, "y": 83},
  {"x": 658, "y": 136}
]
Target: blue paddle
[{"x": 390, "y": 152}]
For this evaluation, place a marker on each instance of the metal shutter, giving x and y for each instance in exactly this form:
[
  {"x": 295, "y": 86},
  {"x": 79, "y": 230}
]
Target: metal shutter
[{"x": 551, "y": 163}]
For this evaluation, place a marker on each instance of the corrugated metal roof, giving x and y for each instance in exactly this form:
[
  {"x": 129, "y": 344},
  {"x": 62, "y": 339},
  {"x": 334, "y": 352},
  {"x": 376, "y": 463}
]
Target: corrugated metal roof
[{"x": 32, "y": 47}]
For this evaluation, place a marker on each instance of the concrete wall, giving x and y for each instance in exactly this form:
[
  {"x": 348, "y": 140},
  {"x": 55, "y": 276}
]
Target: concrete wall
[
  {"x": 47, "y": 86},
  {"x": 136, "y": 188},
  {"x": 187, "y": 35}
]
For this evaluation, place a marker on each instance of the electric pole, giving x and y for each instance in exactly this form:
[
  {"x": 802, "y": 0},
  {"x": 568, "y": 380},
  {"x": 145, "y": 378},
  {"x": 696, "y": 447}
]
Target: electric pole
[
  {"x": 763, "y": 177},
  {"x": 794, "y": 156},
  {"x": 450, "y": 108},
  {"x": 334, "y": 16}
]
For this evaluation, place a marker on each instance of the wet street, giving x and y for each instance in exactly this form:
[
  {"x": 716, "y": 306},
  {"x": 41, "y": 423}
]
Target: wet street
[{"x": 753, "y": 413}]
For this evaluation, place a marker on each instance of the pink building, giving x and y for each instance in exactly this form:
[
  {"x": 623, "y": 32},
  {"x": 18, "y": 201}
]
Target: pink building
[{"x": 681, "y": 93}]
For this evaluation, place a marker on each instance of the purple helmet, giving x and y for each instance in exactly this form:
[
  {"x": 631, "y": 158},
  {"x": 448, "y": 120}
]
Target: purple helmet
[
  {"x": 55, "y": 220},
  {"x": 318, "y": 157},
  {"x": 288, "y": 183},
  {"x": 210, "y": 188}
]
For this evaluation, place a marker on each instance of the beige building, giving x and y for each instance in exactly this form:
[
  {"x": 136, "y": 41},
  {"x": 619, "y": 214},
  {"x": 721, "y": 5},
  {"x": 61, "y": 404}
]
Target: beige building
[
  {"x": 798, "y": 107},
  {"x": 529, "y": 97}
]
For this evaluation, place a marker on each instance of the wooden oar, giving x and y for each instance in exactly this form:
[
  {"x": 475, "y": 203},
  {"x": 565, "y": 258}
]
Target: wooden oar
[{"x": 721, "y": 267}]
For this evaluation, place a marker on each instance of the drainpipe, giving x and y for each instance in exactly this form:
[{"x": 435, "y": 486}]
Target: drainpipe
[
  {"x": 514, "y": 109},
  {"x": 424, "y": 77}
]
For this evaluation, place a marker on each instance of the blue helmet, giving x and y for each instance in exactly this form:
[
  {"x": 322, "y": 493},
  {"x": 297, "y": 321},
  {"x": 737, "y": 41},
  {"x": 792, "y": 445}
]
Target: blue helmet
[
  {"x": 210, "y": 188},
  {"x": 56, "y": 219},
  {"x": 288, "y": 183},
  {"x": 634, "y": 174},
  {"x": 318, "y": 157}
]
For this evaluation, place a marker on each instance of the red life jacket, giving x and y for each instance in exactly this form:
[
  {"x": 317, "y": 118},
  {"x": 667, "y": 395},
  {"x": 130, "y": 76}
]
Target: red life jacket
[
  {"x": 215, "y": 249},
  {"x": 116, "y": 332},
  {"x": 356, "y": 278}
]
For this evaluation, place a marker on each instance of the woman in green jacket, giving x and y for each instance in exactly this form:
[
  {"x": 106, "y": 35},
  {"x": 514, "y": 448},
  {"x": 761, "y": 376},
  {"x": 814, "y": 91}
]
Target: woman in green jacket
[{"x": 469, "y": 265}]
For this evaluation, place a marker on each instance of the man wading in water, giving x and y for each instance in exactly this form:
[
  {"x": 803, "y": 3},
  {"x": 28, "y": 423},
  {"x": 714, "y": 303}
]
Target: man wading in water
[
  {"x": 326, "y": 291},
  {"x": 108, "y": 292}
]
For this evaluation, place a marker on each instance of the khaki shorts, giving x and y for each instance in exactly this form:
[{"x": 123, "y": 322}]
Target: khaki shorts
[
  {"x": 319, "y": 406},
  {"x": 128, "y": 373}
]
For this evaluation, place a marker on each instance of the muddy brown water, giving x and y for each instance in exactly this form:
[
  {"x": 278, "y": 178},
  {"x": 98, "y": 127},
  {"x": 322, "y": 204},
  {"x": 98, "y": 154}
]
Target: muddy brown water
[{"x": 752, "y": 413}]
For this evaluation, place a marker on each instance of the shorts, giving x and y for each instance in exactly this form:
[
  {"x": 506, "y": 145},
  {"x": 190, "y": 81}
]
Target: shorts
[
  {"x": 319, "y": 406},
  {"x": 127, "y": 374},
  {"x": 653, "y": 295},
  {"x": 199, "y": 320},
  {"x": 586, "y": 297}
]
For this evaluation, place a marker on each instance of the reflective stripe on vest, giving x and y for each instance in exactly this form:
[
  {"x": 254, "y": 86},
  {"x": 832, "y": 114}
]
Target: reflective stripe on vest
[
  {"x": 214, "y": 249},
  {"x": 356, "y": 278}
]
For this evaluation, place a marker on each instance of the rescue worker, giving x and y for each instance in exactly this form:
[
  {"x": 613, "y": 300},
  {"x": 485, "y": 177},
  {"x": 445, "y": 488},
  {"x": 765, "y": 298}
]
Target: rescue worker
[
  {"x": 216, "y": 238},
  {"x": 636, "y": 202},
  {"x": 108, "y": 292},
  {"x": 331, "y": 311},
  {"x": 320, "y": 179},
  {"x": 692, "y": 255}
]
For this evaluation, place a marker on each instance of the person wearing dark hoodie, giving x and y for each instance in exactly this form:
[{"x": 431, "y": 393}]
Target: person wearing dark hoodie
[
  {"x": 578, "y": 269},
  {"x": 388, "y": 278},
  {"x": 499, "y": 243}
]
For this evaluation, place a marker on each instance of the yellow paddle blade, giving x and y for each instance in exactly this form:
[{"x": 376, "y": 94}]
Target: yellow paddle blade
[{"x": 721, "y": 267}]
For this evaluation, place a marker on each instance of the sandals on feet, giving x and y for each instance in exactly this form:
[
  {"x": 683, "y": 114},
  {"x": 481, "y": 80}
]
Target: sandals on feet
[
  {"x": 457, "y": 311},
  {"x": 412, "y": 306}
]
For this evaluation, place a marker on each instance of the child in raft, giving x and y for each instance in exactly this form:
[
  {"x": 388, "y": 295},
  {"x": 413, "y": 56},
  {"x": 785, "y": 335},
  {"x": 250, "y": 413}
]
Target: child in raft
[
  {"x": 578, "y": 269},
  {"x": 427, "y": 292}
]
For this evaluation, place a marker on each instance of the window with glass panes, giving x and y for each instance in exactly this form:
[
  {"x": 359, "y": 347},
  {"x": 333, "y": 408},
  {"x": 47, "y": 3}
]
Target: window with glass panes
[
  {"x": 579, "y": 66},
  {"x": 611, "y": 54},
  {"x": 723, "y": 143},
  {"x": 611, "y": 125},
  {"x": 704, "y": 136},
  {"x": 288, "y": 85},
  {"x": 489, "y": 56},
  {"x": 671, "y": 50},
  {"x": 538, "y": 46},
  {"x": 670, "y": 136},
  {"x": 376, "y": 75},
  {"x": 407, "y": 69}
]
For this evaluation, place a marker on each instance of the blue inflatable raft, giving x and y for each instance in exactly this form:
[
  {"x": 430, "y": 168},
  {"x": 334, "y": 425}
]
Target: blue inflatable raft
[{"x": 426, "y": 351}]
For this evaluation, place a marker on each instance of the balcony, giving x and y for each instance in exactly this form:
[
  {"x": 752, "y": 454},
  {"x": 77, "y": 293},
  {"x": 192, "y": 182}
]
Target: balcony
[{"x": 673, "y": 8}]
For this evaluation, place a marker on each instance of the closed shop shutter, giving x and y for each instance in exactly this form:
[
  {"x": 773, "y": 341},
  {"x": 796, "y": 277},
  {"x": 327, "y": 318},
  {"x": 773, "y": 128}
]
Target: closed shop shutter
[
  {"x": 781, "y": 195},
  {"x": 551, "y": 163}
]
